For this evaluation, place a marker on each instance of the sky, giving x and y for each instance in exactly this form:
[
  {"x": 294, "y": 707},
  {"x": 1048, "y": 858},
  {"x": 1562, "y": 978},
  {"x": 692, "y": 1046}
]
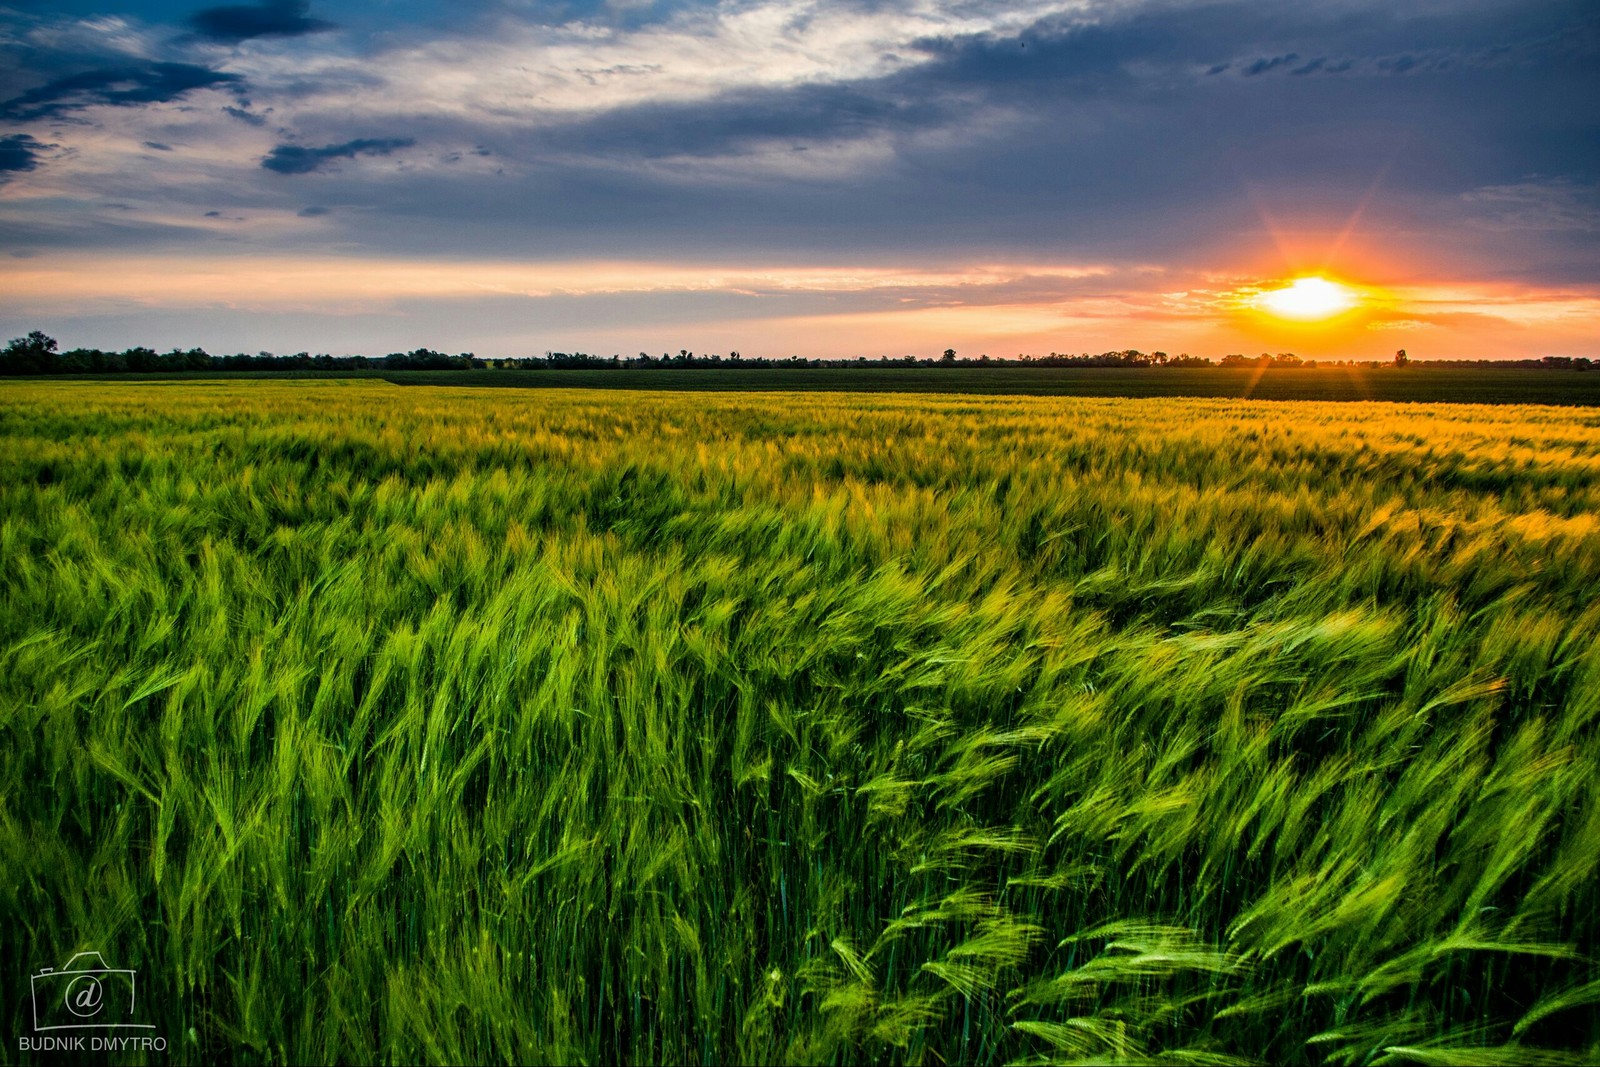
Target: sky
[{"x": 832, "y": 178}]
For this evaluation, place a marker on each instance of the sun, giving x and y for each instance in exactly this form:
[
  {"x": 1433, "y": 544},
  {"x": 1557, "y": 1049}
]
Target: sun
[{"x": 1307, "y": 300}]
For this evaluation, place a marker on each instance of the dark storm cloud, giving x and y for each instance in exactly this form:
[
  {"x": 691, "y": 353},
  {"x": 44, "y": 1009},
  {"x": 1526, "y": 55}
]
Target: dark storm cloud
[
  {"x": 232, "y": 23},
  {"x": 300, "y": 159},
  {"x": 122, "y": 86},
  {"x": 19, "y": 152}
]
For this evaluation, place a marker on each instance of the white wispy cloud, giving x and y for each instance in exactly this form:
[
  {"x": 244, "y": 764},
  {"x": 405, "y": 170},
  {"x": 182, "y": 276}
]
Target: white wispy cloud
[
  {"x": 523, "y": 72},
  {"x": 111, "y": 35}
]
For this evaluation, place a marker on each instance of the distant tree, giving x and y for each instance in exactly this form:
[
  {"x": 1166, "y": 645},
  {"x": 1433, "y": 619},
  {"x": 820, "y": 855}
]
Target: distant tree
[
  {"x": 1400, "y": 359},
  {"x": 77, "y": 361},
  {"x": 949, "y": 356},
  {"x": 179, "y": 360},
  {"x": 33, "y": 354},
  {"x": 141, "y": 360}
]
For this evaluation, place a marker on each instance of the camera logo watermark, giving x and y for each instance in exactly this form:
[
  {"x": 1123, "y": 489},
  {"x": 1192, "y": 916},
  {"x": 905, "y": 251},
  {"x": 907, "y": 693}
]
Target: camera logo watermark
[{"x": 85, "y": 994}]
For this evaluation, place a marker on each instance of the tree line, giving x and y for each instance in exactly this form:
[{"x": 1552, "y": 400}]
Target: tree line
[{"x": 39, "y": 354}]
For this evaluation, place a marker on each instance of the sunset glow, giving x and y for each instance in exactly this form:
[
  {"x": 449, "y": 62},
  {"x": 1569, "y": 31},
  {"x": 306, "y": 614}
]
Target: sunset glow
[
  {"x": 348, "y": 304},
  {"x": 1308, "y": 300}
]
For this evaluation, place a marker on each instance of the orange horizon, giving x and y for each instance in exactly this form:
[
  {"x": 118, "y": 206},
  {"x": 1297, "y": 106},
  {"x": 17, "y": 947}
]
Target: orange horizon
[{"x": 982, "y": 308}]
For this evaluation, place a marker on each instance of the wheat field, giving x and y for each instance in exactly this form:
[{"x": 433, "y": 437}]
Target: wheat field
[{"x": 382, "y": 725}]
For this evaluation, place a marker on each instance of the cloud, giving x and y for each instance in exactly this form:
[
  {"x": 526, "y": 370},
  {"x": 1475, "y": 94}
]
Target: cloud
[
  {"x": 158, "y": 146},
  {"x": 248, "y": 117},
  {"x": 738, "y": 121},
  {"x": 312, "y": 212},
  {"x": 515, "y": 67},
  {"x": 1560, "y": 206},
  {"x": 124, "y": 86},
  {"x": 930, "y": 128},
  {"x": 20, "y": 152},
  {"x": 299, "y": 159},
  {"x": 297, "y": 281},
  {"x": 232, "y": 23},
  {"x": 1261, "y": 66},
  {"x": 110, "y": 37}
]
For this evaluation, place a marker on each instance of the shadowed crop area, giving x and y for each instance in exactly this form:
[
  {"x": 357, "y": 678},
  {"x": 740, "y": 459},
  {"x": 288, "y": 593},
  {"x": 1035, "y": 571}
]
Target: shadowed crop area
[
  {"x": 375, "y": 724},
  {"x": 1419, "y": 384}
]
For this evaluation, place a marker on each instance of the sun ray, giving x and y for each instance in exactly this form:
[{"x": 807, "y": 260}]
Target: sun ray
[{"x": 1361, "y": 206}]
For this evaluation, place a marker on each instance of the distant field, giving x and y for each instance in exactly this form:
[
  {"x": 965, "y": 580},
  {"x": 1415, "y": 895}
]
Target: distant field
[
  {"x": 1414, "y": 384},
  {"x": 1417, "y": 383},
  {"x": 375, "y": 724}
]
